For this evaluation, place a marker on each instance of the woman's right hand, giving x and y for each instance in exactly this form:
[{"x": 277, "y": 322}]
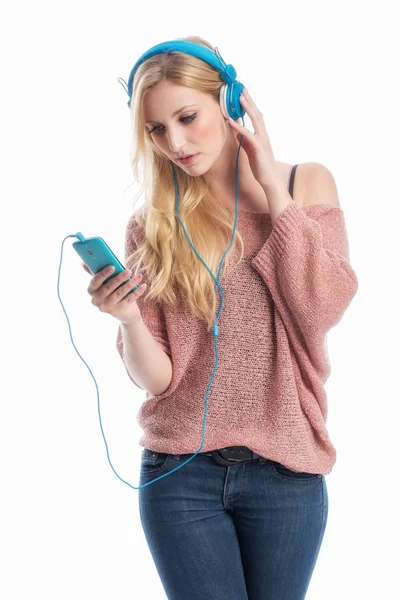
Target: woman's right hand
[{"x": 115, "y": 301}]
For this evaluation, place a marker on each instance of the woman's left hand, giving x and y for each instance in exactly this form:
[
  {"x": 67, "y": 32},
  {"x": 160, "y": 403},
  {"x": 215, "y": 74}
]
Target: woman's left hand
[{"x": 257, "y": 145}]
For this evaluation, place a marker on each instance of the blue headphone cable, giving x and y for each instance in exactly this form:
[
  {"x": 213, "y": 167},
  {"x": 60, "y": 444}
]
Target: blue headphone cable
[{"x": 232, "y": 108}]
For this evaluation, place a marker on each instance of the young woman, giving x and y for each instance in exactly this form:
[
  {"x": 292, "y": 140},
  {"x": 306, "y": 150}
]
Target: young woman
[{"x": 245, "y": 517}]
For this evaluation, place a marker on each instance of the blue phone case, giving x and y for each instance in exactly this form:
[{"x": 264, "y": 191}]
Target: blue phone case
[{"x": 97, "y": 255}]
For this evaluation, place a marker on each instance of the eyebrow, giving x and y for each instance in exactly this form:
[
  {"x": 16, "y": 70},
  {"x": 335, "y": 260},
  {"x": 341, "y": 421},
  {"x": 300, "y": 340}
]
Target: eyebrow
[{"x": 176, "y": 112}]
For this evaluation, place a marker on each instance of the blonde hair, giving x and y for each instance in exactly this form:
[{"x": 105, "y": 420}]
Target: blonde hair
[{"x": 171, "y": 264}]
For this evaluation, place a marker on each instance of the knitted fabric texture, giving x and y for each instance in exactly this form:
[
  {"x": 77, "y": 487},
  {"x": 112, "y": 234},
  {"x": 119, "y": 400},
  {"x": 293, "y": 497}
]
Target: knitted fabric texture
[{"x": 292, "y": 286}]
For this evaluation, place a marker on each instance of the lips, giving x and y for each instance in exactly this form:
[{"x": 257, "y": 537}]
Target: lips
[{"x": 189, "y": 160}]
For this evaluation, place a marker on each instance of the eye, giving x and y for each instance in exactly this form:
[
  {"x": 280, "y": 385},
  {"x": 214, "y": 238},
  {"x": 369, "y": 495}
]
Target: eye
[{"x": 185, "y": 120}]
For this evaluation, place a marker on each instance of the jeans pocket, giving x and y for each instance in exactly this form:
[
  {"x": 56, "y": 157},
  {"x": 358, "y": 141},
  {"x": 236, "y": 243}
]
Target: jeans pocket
[
  {"x": 152, "y": 462},
  {"x": 294, "y": 476}
]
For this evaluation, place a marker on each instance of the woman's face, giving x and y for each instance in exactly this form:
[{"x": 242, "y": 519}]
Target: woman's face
[{"x": 200, "y": 128}]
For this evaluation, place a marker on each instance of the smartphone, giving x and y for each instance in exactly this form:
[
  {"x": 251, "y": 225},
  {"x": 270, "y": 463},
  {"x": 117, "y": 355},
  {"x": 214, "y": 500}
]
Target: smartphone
[{"x": 97, "y": 255}]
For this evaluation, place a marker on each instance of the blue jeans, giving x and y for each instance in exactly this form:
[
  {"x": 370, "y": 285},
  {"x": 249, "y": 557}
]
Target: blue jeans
[{"x": 249, "y": 531}]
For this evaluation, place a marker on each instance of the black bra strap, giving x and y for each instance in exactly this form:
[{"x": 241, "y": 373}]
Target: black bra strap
[{"x": 291, "y": 181}]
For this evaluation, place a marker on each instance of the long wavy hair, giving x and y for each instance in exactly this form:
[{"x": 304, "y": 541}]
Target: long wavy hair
[{"x": 172, "y": 267}]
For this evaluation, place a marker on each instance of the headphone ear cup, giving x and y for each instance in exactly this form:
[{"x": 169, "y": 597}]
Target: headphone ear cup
[
  {"x": 223, "y": 100},
  {"x": 229, "y": 100}
]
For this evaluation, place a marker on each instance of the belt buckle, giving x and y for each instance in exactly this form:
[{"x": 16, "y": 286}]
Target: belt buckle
[{"x": 227, "y": 461}]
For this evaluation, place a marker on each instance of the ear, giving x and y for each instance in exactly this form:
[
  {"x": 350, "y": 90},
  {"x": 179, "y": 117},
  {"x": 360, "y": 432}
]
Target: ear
[{"x": 319, "y": 185}]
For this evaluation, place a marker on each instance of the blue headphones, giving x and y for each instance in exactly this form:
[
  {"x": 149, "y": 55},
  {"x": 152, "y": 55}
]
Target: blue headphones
[
  {"x": 230, "y": 106},
  {"x": 230, "y": 92}
]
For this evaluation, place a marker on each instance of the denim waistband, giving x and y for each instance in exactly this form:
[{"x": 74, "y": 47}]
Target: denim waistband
[{"x": 233, "y": 454}]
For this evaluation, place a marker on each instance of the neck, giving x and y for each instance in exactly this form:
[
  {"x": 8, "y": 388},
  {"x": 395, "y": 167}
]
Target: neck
[{"x": 222, "y": 179}]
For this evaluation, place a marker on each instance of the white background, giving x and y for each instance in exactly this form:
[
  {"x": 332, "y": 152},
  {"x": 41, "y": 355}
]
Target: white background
[{"x": 325, "y": 76}]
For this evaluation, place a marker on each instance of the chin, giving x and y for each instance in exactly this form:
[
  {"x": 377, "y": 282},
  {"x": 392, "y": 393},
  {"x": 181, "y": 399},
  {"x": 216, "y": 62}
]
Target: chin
[{"x": 197, "y": 169}]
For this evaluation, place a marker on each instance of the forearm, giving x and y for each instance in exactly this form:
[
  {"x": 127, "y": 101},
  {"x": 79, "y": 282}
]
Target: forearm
[
  {"x": 146, "y": 361},
  {"x": 278, "y": 199}
]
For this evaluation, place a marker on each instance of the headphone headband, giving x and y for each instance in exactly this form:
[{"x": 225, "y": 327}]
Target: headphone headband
[{"x": 230, "y": 92}]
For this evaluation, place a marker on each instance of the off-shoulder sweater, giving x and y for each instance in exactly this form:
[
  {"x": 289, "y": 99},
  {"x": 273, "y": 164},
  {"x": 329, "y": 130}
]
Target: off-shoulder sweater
[{"x": 292, "y": 286}]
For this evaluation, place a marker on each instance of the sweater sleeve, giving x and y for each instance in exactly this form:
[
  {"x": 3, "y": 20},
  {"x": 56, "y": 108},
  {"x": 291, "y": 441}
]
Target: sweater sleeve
[
  {"x": 152, "y": 313},
  {"x": 305, "y": 264}
]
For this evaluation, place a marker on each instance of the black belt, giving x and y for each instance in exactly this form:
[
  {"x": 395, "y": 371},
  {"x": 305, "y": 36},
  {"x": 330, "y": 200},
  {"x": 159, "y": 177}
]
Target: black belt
[{"x": 232, "y": 454}]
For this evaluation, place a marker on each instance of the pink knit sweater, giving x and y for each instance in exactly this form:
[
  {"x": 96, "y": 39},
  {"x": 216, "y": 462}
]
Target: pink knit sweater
[{"x": 292, "y": 286}]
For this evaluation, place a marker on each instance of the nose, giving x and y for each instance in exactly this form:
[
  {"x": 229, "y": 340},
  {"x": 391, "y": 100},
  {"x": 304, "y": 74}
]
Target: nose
[{"x": 176, "y": 141}]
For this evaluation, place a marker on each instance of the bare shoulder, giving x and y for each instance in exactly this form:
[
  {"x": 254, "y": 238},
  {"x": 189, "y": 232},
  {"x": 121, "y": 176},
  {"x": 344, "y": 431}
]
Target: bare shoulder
[
  {"x": 299, "y": 180},
  {"x": 313, "y": 184}
]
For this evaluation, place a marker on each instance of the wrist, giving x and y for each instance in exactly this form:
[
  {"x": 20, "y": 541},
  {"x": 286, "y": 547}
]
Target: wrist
[
  {"x": 274, "y": 187},
  {"x": 132, "y": 322}
]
